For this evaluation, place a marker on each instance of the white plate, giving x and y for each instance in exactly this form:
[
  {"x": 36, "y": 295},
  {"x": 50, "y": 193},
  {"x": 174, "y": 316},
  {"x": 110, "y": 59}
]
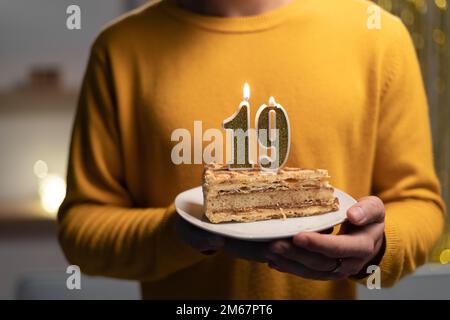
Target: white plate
[{"x": 189, "y": 205}]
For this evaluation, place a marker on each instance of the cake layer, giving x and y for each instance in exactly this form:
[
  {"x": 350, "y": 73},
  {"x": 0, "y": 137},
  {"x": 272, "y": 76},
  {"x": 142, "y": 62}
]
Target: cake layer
[
  {"x": 256, "y": 214},
  {"x": 234, "y": 201},
  {"x": 242, "y": 186}
]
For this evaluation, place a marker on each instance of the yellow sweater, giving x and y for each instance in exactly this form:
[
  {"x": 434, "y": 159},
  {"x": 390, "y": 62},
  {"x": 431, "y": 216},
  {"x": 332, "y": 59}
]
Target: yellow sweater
[{"x": 356, "y": 104}]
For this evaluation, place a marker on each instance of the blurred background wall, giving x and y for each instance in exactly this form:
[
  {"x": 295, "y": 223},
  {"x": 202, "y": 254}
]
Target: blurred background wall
[
  {"x": 42, "y": 64},
  {"x": 41, "y": 67}
]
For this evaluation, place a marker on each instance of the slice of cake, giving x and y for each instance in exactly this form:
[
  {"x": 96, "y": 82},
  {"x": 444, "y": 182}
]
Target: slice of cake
[{"x": 252, "y": 195}]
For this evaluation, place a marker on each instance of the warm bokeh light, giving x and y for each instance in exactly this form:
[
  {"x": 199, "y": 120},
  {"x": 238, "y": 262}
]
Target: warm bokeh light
[
  {"x": 407, "y": 16},
  {"x": 40, "y": 169},
  {"x": 52, "y": 190},
  {"x": 439, "y": 36},
  {"x": 387, "y": 4},
  {"x": 441, "y": 4},
  {"x": 444, "y": 258}
]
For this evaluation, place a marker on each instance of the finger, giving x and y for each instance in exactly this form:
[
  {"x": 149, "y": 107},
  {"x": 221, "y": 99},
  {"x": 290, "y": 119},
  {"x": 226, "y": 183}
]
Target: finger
[
  {"x": 351, "y": 266},
  {"x": 250, "y": 250},
  {"x": 367, "y": 210},
  {"x": 335, "y": 246},
  {"x": 312, "y": 260},
  {"x": 197, "y": 238},
  {"x": 285, "y": 265}
]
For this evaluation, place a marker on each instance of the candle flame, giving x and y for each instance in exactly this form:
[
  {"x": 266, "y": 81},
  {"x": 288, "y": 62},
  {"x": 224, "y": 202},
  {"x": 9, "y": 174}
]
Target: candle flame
[
  {"x": 272, "y": 102},
  {"x": 246, "y": 91}
]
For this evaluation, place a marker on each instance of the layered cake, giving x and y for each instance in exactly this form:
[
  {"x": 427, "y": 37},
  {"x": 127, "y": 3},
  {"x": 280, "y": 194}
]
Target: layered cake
[{"x": 252, "y": 195}]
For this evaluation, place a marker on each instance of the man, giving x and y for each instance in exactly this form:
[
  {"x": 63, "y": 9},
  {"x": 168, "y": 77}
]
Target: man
[{"x": 357, "y": 107}]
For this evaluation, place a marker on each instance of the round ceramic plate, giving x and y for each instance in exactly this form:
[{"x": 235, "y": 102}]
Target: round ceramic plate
[{"x": 189, "y": 205}]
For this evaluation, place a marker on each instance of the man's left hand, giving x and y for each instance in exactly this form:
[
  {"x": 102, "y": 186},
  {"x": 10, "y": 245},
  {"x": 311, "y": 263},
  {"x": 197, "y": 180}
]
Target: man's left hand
[{"x": 319, "y": 256}]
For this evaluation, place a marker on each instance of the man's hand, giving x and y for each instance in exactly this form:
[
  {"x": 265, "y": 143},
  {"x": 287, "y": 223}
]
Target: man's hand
[
  {"x": 329, "y": 257},
  {"x": 201, "y": 240},
  {"x": 208, "y": 243}
]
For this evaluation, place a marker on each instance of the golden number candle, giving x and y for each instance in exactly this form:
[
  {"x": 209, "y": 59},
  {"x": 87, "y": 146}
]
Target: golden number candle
[
  {"x": 239, "y": 123},
  {"x": 274, "y": 135}
]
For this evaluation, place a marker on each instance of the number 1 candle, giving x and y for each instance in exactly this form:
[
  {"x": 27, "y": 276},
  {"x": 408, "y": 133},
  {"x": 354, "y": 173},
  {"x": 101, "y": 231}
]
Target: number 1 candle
[{"x": 239, "y": 122}]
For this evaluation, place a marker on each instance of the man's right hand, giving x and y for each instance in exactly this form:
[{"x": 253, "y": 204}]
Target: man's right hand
[
  {"x": 208, "y": 243},
  {"x": 201, "y": 240}
]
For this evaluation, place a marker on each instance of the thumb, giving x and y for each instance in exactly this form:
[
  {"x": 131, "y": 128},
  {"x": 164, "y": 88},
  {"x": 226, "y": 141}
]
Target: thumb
[{"x": 366, "y": 211}]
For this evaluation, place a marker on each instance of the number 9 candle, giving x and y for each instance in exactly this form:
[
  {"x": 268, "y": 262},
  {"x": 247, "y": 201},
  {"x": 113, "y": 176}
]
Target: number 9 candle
[{"x": 273, "y": 129}]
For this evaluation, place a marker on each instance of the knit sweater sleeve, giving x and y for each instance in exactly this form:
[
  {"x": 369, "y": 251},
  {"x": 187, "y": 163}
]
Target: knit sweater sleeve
[
  {"x": 99, "y": 228},
  {"x": 404, "y": 176}
]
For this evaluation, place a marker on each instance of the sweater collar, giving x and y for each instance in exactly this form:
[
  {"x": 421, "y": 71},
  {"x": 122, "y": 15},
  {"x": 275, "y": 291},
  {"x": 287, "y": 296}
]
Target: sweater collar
[{"x": 245, "y": 24}]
